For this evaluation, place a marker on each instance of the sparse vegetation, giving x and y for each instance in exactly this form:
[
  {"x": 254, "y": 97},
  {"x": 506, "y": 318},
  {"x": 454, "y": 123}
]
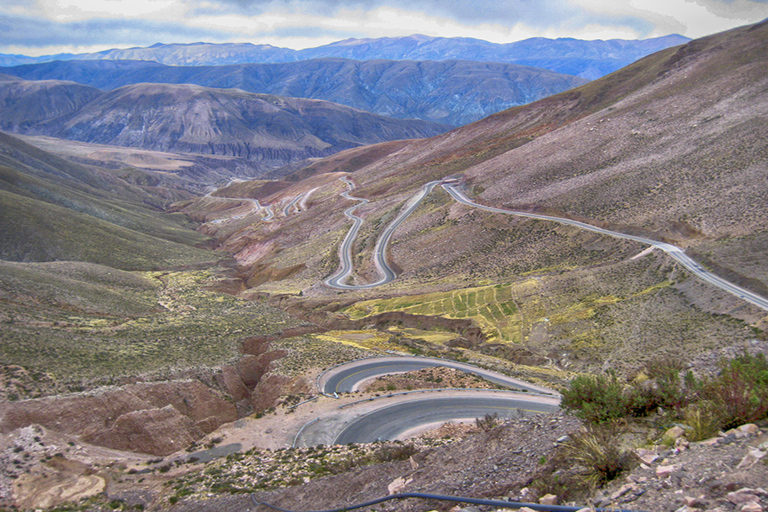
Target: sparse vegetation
[
  {"x": 740, "y": 392},
  {"x": 259, "y": 470},
  {"x": 141, "y": 323},
  {"x": 596, "y": 450},
  {"x": 737, "y": 395}
]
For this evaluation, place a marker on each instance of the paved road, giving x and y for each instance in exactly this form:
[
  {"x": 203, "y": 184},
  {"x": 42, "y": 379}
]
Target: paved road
[
  {"x": 674, "y": 252},
  {"x": 390, "y": 422},
  {"x": 287, "y": 209},
  {"x": 380, "y": 250},
  {"x": 270, "y": 215},
  {"x": 347, "y": 377},
  {"x": 345, "y": 252},
  {"x": 392, "y": 417}
]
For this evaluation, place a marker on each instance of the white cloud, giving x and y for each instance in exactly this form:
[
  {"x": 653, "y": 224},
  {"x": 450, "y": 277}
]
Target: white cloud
[
  {"x": 88, "y": 25},
  {"x": 81, "y": 10},
  {"x": 692, "y": 18}
]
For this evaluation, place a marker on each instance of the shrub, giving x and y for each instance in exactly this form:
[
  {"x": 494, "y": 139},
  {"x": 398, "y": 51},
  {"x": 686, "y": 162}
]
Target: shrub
[
  {"x": 740, "y": 392},
  {"x": 596, "y": 398},
  {"x": 660, "y": 387},
  {"x": 392, "y": 452},
  {"x": 703, "y": 420},
  {"x": 597, "y": 450},
  {"x": 488, "y": 422}
]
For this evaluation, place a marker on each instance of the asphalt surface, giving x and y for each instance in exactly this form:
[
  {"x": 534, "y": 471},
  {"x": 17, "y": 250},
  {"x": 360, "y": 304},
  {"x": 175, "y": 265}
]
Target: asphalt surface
[
  {"x": 380, "y": 250},
  {"x": 394, "y": 416},
  {"x": 347, "y": 377},
  {"x": 390, "y": 422},
  {"x": 674, "y": 252},
  {"x": 287, "y": 209}
]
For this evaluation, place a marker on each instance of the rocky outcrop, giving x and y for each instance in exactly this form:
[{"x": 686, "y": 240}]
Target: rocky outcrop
[
  {"x": 156, "y": 431},
  {"x": 160, "y": 418},
  {"x": 157, "y": 418}
]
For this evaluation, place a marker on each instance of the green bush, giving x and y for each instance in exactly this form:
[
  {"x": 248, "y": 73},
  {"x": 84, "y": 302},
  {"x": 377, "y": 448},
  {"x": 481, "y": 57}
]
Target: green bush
[
  {"x": 597, "y": 450},
  {"x": 740, "y": 392},
  {"x": 703, "y": 420},
  {"x": 660, "y": 385},
  {"x": 596, "y": 398}
]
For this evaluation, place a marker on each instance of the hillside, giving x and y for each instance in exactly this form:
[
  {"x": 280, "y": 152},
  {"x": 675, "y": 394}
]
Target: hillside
[
  {"x": 53, "y": 210},
  {"x": 193, "y": 377},
  {"x": 27, "y": 103},
  {"x": 270, "y": 130},
  {"x": 447, "y": 92},
  {"x": 681, "y": 128},
  {"x": 588, "y": 59}
]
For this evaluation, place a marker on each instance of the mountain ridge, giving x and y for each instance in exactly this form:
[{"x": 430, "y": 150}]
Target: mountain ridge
[
  {"x": 446, "y": 92},
  {"x": 588, "y": 59},
  {"x": 267, "y": 129}
]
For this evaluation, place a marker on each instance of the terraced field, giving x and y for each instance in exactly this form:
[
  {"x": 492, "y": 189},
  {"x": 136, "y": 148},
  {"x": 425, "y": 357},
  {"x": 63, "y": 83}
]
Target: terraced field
[{"x": 492, "y": 307}]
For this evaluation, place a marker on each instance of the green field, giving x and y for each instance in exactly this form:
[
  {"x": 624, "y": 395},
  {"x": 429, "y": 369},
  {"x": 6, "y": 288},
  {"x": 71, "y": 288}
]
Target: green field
[{"x": 492, "y": 307}]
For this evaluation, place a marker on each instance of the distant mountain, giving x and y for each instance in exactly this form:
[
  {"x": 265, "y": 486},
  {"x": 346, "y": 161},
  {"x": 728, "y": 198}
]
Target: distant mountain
[
  {"x": 588, "y": 59},
  {"x": 447, "y": 92},
  {"x": 267, "y": 129}
]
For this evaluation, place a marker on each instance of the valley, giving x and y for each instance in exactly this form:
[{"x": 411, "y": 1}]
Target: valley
[{"x": 189, "y": 323}]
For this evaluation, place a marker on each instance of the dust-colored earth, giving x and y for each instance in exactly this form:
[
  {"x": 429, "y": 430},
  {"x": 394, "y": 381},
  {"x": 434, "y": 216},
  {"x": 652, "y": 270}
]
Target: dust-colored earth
[{"x": 428, "y": 378}]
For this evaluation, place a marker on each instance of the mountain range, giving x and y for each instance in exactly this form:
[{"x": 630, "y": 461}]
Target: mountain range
[
  {"x": 447, "y": 92},
  {"x": 587, "y": 59},
  {"x": 265, "y": 129}
]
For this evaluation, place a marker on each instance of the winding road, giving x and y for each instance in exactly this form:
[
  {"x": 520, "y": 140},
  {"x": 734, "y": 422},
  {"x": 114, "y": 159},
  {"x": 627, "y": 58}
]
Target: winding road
[
  {"x": 396, "y": 415},
  {"x": 379, "y": 252},
  {"x": 393, "y": 421},
  {"x": 674, "y": 252},
  {"x": 348, "y": 377},
  {"x": 345, "y": 251},
  {"x": 399, "y": 415}
]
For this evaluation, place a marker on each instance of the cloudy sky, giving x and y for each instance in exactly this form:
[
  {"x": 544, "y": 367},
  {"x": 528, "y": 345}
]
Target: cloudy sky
[{"x": 43, "y": 27}]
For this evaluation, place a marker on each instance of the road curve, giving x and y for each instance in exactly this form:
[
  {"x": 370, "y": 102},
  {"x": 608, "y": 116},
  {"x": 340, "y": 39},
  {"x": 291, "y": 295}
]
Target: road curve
[
  {"x": 674, "y": 252},
  {"x": 396, "y": 416},
  {"x": 338, "y": 279},
  {"x": 345, "y": 252},
  {"x": 347, "y": 377},
  {"x": 390, "y": 422}
]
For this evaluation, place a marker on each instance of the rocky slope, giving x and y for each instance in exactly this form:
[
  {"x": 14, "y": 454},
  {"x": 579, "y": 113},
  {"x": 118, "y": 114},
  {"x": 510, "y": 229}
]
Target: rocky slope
[{"x": 449, "y": 92}]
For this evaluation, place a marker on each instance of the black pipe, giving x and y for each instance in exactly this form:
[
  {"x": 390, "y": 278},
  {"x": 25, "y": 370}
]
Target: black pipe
[{"x": 474, "y": 501}]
